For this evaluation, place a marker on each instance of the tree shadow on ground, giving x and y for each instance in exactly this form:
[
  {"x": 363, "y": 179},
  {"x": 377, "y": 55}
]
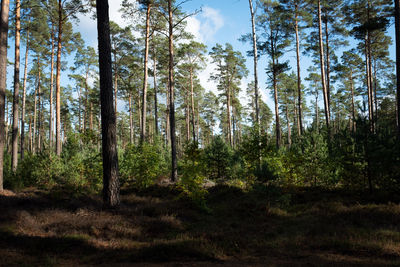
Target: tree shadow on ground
[{"x": 276, "y": 226}]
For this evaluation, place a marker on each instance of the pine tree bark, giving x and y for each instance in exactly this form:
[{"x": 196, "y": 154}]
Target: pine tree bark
[
  {"x": 322, "y": 62},
  {"x": 51, "y": 119},
  {"x": 328, "y": 64},
  {"x": 58, "y": 79},
  {"x": 353, "y": 110},
  {"x": 300, "y": 101},
  {"x": 228, "y": 110},
  {"x": 34, "y": 123},
  {"x": 288, "y": 126},
  {"x": 369, "y": 89},
  {"x": 14, "y": 156},
  {"x": 130, "y": 119},
  {"x": 255, "y": 54},
  {"x": 275, "y": 86},
  {"x": 192, "y": 104},
  {"x": 24, "y": 96},
  {"x": 108, "y": 118},
  {"x": 145, "y": 75},
  {"x": 174, "y": 169},
  {"x": 155, "y": 91},
  {"x": 187, "y": 117},
  {"x": 5, "y": 7},
  {"x": 397, "y": 27}
]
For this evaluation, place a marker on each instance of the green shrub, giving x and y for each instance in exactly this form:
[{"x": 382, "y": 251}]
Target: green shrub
[
  {"x": 142, "y": 165},
  {"x": 218, "y": 159},
  {"x": 192, "y": 175}
]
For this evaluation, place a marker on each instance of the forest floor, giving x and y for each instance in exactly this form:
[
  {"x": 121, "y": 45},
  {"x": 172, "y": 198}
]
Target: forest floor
[{"x": 261, "y": 227}]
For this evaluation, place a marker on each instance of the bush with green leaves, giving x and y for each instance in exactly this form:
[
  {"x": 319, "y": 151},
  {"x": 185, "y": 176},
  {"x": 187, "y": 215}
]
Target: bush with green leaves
[
  {"x": 141, "y": 165},
  {"x": 192, "y": 177},
  {"x": 218, "y": 158}
]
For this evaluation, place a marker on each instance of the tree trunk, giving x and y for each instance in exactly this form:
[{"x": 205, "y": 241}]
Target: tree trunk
[
  {"x": 187, "y": 117},
  {"x": 155, "y": 91},
  {"x": 369, "y": 89},
  {"x": 322, "y": 62},
  {"x": 255, "y": 53},
  {"x": 228, "y": 110},
  {"x": 34, "y": 124},
  {"x": 39, "y": 121},
  {"x": 5, "y": 7},
  {"x": 51, "y": 119},
  {"x": 328, "y": 64},
  {"x": 288, "y": 126},
  {"x": 85, "y": 114},
  {"x": 277, "y": 121},
  {"x": 108, "y": 118},
  {"x": 14, "y": 157},
  {"x": 375, "y": 97},
  {"x": 24, "y": 97},
  {"x": 58, "y": 79},
  {"x": 275, "y": 86},
  {"x": 130, "y": 119},
  {"x": 317, "y": 111},
  {"x": 91, "y": 117},
  {"x": 397, "y": 26},
  {"x": 174, "y": 169},
  {"x": 30, "y": 135},
  {"x": 146, "y": 59},
  {"x": 192, "y": 104},
  {"x": 300, "y": 114},
  {"x": 353, "y": 110}
]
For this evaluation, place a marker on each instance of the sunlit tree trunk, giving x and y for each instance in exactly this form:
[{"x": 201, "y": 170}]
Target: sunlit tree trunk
[
  {"x": 58, "y": 79},
  {"x": 155, "y": 91},
  {"x": 51, "y": 120},
  {"x": 24, "y": 97},
  {"x": 146, "y": 59},
  {"x": 14, "y": 157}
]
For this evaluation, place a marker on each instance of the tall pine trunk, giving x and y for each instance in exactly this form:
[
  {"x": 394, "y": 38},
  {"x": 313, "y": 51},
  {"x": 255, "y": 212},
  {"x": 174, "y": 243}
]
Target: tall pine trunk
[
  {"x": 51, "y": 119},
  {"x": 192, "y": 104},
  {"x": 5, "y": 7},
  {"x": 253, "y": 28},
  {"x": 174, "y": 169},
  {"x": 328, "y": 63},
  {"x": 24, "y": 96},
  {"x": 300, "y": 113},
  {"x": 353, "y": 110},
  {"x": 108, "y": 118},
  {"x": 145, "y": 75},
  {"x": 322, "y": 62},
  {"x": 155, "y": 91},
  {"x": 58, "y": 79},
  {"x": 14, "y": 157}
]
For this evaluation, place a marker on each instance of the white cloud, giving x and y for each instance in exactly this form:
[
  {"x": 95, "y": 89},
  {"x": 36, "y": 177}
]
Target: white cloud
[
  {"x": 204, "y": 77},
  {"x": 193, "y": 26},
  {"x": 205, "y": 25}
]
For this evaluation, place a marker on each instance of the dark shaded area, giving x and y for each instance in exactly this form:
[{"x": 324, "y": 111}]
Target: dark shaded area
[{"x": 266, "y": 225}]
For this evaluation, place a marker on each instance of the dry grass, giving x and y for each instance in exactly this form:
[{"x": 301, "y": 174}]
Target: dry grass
[{"x": 291, "y": 227}]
